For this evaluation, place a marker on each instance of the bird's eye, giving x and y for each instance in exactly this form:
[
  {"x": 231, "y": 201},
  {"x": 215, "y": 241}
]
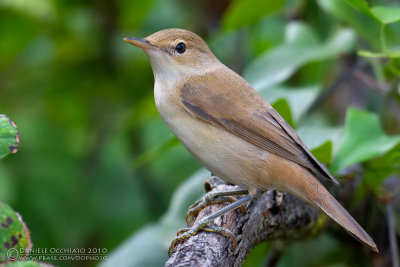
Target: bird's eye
[{"x": 180, "y": 48}]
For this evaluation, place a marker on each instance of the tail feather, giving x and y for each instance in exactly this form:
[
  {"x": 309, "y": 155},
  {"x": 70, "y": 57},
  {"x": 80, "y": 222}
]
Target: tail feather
[
  {"x": 315, "y": 193},
  {"x": 334, "y": 210}
]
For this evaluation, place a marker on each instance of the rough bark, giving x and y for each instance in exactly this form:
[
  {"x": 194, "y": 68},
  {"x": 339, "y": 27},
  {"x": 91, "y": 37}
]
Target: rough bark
[{"x": 273, "y": 215}]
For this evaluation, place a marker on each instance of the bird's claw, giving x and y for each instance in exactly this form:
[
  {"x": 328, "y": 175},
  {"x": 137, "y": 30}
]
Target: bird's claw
[
  {"x": 203, "y": 224},
  {"x": 210, "y": 198},
  {"x": 185, "y": 233}
]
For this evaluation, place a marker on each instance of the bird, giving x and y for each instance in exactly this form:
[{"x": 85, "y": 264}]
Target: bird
[{"x": 232, "y": 130}]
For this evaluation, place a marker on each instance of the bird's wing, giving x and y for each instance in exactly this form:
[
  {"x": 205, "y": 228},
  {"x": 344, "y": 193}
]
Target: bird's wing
[{"x": 240, "y": 110}]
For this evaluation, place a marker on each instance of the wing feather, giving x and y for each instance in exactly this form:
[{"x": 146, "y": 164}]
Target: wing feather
[{"x": 241, "y": 111}]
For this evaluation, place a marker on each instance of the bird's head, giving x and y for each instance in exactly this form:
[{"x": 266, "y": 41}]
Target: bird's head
[{"x": 175, "y": 52}]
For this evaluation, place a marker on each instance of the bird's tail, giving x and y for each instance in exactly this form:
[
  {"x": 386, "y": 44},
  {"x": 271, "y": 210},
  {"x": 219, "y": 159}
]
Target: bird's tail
[{"x": 316, "y": 194}]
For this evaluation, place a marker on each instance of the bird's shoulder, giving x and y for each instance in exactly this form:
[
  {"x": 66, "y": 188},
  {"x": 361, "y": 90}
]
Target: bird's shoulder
[{"x": 218, "y": 89}]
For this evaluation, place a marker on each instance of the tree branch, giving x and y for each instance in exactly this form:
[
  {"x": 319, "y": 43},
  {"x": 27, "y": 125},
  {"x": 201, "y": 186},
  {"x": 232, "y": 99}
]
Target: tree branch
[{"x": 273, "y": 215}]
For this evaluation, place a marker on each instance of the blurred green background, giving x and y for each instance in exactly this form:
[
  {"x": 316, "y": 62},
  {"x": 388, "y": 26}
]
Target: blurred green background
[{"x": 96, "y": 162}]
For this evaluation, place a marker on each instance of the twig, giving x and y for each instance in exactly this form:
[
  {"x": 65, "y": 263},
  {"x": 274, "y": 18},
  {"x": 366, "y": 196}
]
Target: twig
[
  {"x": 273, "y": 215},
  {"x": 392, "y": 236}
]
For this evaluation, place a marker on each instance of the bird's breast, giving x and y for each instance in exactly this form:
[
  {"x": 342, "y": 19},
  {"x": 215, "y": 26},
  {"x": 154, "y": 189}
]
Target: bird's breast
[{"x": 221, "y": 152}]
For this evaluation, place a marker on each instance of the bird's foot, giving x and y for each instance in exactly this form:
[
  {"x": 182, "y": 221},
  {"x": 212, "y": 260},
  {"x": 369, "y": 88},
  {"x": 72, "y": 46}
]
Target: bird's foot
[
  {"x": 213, "y": 198},
  {"x": 202, "y": 225}
]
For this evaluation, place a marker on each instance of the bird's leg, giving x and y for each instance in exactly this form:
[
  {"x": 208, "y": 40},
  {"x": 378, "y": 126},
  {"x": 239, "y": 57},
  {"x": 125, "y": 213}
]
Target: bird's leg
[
  {"x": 203, "y": 223},
  {"x": 211, "y": 198}
]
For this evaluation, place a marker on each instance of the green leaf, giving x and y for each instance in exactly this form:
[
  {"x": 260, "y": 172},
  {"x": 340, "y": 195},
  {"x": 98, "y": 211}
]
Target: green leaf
[
  {"x": 242, "y": 13},
  {"x": 366, "y": 25},
  {"x": 150, "y": 244},
  {"x": 379, "y": 168},
  {"x": 363, "y": 140},
  {"x": 388, "y": 54},
  {"x": 300, "y": 47},
  {"x": 362, "y": 6},
  {"x": 44, "y": 10},
  {"x": 9, "y": 139},
  {"x": 386, "y": 14},
  {"x": 371, "y": 24},
  {"x": 324, "y": 152},
  {"x": 383, "y": 14},
  {"x": 14, "y": 236},
  {"x": 283, "y": 108}
]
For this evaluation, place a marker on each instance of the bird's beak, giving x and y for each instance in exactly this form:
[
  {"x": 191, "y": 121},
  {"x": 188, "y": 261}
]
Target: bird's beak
[{"x": 141, "y": 43}]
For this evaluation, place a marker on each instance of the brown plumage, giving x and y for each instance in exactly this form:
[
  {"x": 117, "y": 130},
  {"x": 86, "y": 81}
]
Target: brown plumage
[
  {"x": 230, "y": 128},
  {"x": 252, "y": 118}
]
